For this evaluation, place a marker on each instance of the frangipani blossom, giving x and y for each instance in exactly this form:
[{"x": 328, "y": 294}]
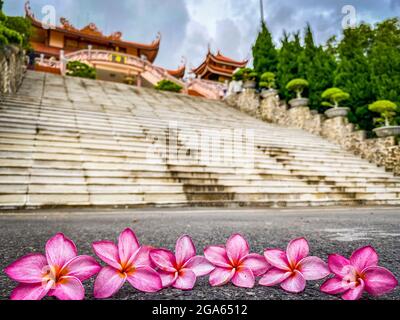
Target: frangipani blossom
[
  {"x": 360, "y": 273},
  {"x": 126, "y": 262},
  {"x": 291, "y": 269},
  {"x": 182, "y": 269},
  {"x": 235, "y": 263},
  {"x": 59, "y": 274}
]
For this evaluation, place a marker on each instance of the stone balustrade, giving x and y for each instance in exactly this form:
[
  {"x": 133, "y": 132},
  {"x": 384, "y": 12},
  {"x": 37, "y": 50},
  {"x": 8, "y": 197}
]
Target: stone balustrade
[
  {"x": 12, "y": 69},
  {"x": 381, "y": 151}
]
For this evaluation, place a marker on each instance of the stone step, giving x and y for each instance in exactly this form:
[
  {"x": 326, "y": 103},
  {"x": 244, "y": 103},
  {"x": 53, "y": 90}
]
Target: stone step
[
  {"x": 40, "y": 176},
  {"x": 137, "y": 139},
  {"x": 143, "y": 149},
  {"x": 76, "y": 165},
  {"x": 33, "y": 154},
  {"x": 72, "y": 117},
  {"x": 156, "y": 196},
  {"x": 87, "y": 187},
  {"x": 75, "y": 142},
  {"x": 21, "y": 201},
  {"x": 108, "y": 149}
]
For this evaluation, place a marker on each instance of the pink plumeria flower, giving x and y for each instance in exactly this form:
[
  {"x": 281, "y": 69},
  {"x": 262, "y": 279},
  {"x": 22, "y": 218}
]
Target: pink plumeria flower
[
  {"x": 235, "y": 263},
  {"x": 291, "y": 269},
  {"x": 360, "y": 273},
  {"x": 59, "y": 273},
  {"x": 180, "y": 270},
  {"x": 126, "y": 262}
]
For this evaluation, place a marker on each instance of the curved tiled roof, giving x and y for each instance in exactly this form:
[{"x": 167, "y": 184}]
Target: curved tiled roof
[
  {"x": 178, "y": 73},
  {"x": 219, "y": 59},
  {"x": 90, "y": 32}
]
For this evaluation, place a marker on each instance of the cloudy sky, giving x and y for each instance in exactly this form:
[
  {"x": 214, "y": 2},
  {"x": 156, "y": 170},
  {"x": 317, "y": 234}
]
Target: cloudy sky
[{"x": 188, "y": 26}]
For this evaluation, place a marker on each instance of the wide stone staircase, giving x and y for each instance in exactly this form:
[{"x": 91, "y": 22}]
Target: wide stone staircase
[{"x": 72, "y": 142}]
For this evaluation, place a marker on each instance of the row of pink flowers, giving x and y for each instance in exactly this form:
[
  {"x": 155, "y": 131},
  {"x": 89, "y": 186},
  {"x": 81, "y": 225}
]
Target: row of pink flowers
[{"x": 60, "y": 272}]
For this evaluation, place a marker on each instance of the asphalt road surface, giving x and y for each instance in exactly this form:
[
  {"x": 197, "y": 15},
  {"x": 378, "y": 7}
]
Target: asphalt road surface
[{"x": 328, "y": 231}]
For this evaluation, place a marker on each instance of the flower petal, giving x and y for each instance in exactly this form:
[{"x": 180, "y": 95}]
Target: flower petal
[
  {"x": 199, "y": 265},
  {"x": 217, "y": 256},
  {"x": 379, "y": 281},
  {"x": 29, "y": 292},
  {"x": 107, "y": 251},
  {"x": 69, "y": 288},
  {"x": 244, "y": 278},
  {"x": 167, "y": 278},
  {"x": 128, "y": 244},
  {"x": 356, "y": 293},
  {"x": 313, "y": 268},
  {"x": 108, "y": 282},
  {"x": 237, "y": 248},
  {"x": 295, "y": 283},
  {"x": 339, "y": 265},
  {"x": 60, "y": 250},
  {"x": 145, "y": 279},
  {"x": 274, "y": 276},
  {"x": 364, "y": 258},
  {"x": 186, "y": 280},
  {"x": 256, "y": 263},
  {"x": 277, "y": 258},
  {"x": 334, "y": 286},
  {"x": 141, "y": 258},
  {"x": 28, "y": 269},
  {"x": 221, "y": 276},
  {"x": 184, "y": 250},
  {"x": 163, "y": 259},
  {"x": 82, "y": 267},
  {"x": 297, "y": 250}
]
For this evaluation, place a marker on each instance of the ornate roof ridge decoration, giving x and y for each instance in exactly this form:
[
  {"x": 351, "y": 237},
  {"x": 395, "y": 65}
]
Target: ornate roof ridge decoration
[
  {"x": 91, "y": 30},
  {"x": 67, "y": 25}
]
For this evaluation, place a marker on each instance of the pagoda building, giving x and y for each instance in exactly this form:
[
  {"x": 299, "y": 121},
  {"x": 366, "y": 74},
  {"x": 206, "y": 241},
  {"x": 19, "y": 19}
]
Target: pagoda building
[
  {"x": 115, "y": 59},
  {"x": 213, "y": 75},
  {"x": 217, "y": 67}
]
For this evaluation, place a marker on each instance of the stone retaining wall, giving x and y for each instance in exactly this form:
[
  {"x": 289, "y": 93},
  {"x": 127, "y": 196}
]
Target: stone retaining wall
[
  {"x": 382, "y": 151},
  {"x": 12, "y": 69}
]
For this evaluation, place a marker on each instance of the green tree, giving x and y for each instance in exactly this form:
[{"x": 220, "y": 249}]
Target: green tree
[
  {"x": 288, "y": 63},
  {"x": 264, "y": 52},
  {"x": 317, "y": 65},
  {"x": 384, "y": 59},
  {"x": 353, "y": 74}
]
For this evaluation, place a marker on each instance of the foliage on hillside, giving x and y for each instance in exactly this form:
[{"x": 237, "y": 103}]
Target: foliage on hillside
[
  {"x": 364, "y": 63},
  {"x": 14, "y": 30}
]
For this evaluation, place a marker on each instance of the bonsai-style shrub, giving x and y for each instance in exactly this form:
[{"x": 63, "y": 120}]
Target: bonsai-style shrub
[
  {"x": 387, "y": 109},
  {"x": 335, "y": 96},
  {"x": 298, "y": 86},
  {"x": 167, "y": 85},
  {"x": 267, "y": 80},
  {"x": 247, "y": 74},
  {"x": 80, "y": 70}
]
